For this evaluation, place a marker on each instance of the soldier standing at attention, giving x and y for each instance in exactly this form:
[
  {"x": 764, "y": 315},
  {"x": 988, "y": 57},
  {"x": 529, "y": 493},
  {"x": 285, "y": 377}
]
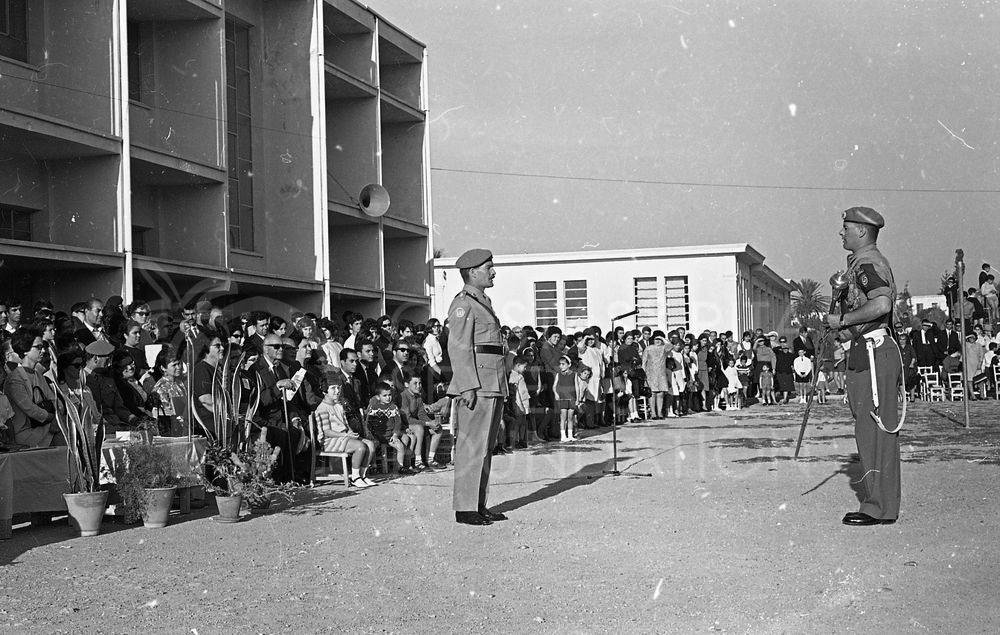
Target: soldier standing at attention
[
  {"x": 479, "y": 381},
  {"x": 874, "y": 366}
]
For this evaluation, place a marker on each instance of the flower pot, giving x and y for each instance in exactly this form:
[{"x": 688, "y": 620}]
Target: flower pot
[
  {"x": 87, "y": 509},
  {"x": 229, "y": 508},
  {"x": 184, "y": 500},
  {"x": 197, "y": 496},
  {"x": 158, "y": 500}
]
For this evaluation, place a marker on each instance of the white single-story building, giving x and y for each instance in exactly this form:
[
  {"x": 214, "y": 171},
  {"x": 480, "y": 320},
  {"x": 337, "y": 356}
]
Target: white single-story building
[
  {"x": 716, "y": 287},
  {"x": 920, "y": 302}
]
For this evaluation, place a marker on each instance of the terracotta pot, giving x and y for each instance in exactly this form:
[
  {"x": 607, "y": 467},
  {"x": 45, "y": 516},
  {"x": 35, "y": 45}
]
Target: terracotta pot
[
  {"x": 87, "y": 509},
  {"x": 229, "y": 508},
  {"x": 184, "y": 500},
  {"x": 158, "y": 501}
]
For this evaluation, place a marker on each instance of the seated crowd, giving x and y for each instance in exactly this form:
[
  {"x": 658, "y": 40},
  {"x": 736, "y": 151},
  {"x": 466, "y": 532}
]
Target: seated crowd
[{"x": 370, "y": 385}]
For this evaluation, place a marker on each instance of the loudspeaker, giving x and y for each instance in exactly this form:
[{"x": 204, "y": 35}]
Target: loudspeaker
[{"x": 374, "y": 200}]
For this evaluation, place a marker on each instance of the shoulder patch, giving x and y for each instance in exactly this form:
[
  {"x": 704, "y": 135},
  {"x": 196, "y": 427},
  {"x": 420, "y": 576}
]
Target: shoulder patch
[
  {"x": 460, "y": 312},
  {"x": 869, "y": 279}
]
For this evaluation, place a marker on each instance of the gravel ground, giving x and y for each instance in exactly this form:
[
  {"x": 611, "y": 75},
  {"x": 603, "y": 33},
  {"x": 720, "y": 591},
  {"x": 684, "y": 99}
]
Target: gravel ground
[{"x": 728, "y": 534}]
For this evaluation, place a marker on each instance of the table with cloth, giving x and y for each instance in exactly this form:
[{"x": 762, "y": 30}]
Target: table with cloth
[
  {"x": 32, "y": 481},
  {"x": 187, "y": 456}
]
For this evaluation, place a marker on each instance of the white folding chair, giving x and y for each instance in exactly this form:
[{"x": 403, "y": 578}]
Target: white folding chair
[{"x": 956, "y": 387}]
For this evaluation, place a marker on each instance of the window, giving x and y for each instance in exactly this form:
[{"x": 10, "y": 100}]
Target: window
[
  {"x": 15, "y": 223},
  {"x": 575, "y": 303},
  {"x": 678, "y": 302},
  {"x": 140, "y": 62},
  {"x": 142, "y": 241},
  {"x": 646, "y": 303},
  {"x": 546, "y": 309},
  {"x": 14, "y": 29},
  {"x": 239, "y": 135}
]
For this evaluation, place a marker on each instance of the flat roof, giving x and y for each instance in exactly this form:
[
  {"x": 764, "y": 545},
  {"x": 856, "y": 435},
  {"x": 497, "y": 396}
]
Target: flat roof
[
  {"x": 619, "y": 254},
  {"x": 614, "y": 255}
]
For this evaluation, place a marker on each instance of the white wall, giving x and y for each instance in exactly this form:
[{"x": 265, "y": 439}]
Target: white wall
[{"x": 610, "y": 289}]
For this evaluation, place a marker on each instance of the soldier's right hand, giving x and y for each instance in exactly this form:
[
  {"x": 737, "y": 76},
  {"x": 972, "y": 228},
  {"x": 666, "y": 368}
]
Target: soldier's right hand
[{"x": 469, "y": 397}]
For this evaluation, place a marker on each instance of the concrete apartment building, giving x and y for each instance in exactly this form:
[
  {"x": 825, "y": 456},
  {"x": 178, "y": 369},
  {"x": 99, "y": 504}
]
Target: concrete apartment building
[
  {"x": 721, "y": 287},
  {"x": 173, "y": 150}
]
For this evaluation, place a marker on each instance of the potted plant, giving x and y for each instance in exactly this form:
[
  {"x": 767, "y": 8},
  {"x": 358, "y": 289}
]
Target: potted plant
[
  {"x": 75, "y": 414},
  {"x": 146, "y": 481},
  {"x": 260, "y": 486},
  {"x": 225, "y": 475}
]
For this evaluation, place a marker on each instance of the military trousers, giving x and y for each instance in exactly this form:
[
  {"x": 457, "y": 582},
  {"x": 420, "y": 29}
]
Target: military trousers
[
  {"x": 475, "y": 435},
  {"x": 880, "y": 483}
]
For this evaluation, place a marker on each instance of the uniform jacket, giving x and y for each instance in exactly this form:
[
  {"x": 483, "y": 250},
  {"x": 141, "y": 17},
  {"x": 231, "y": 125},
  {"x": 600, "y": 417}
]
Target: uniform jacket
[
  {"x": 472, "y": 322},
  {"x": 868, "y": 277},
  {"x": 109, "y": 401}
]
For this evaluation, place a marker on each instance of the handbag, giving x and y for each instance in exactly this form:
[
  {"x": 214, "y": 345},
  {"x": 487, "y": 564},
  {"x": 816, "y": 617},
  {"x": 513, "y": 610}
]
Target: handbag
[{"x": 39, "y": 399}]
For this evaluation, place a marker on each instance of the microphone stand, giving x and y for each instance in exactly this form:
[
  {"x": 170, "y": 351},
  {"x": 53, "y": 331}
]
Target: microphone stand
[
  {"x": 966, "y": 377},
  {"x": 614, "y": 420}
]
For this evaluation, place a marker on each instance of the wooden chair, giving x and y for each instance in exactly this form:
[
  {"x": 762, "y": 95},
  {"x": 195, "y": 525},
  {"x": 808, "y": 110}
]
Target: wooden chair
[
  {"x": 995, "y": 370},
  {"x": 956, "y": 387},
  {"x": 642, "y": 407},
  {"x": 924, "y": 371},
  {"x": 318, "y": 453},
  {"x": 932, "y": 388}
]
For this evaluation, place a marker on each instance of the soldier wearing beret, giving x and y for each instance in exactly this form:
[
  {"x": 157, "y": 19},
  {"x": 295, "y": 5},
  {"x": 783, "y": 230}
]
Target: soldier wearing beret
[
  {"x": 479, "y": 382},
  {"x": 874, "y": 366}
]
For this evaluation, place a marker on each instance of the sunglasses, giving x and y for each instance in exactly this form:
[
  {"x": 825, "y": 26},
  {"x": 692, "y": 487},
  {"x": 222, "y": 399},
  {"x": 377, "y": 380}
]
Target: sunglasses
[{"x": 403, "y": 350}]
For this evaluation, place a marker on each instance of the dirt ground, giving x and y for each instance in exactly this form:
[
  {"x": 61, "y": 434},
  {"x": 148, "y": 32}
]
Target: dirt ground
[{"x": 727, "y": 534}]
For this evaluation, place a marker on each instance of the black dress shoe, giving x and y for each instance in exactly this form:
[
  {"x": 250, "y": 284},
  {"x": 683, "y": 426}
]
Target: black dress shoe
[
  {"x": 491, "y": 516},
  {"x": 858, "y": 519},
  {"x": 472, "y": 518}
]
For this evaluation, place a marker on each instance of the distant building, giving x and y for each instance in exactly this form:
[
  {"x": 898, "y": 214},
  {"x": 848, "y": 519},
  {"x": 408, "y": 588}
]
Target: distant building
[
  {"x": 920, "y": 302},
  {"x": 180, "y": 150},
  {"x": 720, "y": 287}
]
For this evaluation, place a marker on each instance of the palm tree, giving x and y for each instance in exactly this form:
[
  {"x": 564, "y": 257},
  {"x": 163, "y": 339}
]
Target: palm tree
[{"x": 808, "y": 300}]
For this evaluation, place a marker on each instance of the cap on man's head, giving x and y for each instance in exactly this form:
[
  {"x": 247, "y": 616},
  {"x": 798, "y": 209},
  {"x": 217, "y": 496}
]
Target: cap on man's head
[
  {"x": 927, "y": 323},
  {"x": 865, "y": 216},
  {"x": 287, "y": 342},
  {"x": 473, "y": 258},
  {"x": 100, "y": 348}
]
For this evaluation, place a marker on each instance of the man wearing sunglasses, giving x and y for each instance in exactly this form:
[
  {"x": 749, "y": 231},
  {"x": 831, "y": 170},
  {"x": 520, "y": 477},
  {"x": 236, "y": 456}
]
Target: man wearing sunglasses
[{"x": 393, "y": 372}]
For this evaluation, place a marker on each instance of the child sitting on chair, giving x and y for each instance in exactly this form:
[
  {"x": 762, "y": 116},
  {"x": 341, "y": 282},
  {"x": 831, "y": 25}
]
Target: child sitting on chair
[
  {"x": 384, "y": 425},
  {"x": 766, "y": 381},
  {"x": 336, "y": 436},
  {"x": 418, "y": 421}
]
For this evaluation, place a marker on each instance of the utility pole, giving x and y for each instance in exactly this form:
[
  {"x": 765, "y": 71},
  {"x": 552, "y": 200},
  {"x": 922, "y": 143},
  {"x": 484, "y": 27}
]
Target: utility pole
[{"x": 959, "y": 273}]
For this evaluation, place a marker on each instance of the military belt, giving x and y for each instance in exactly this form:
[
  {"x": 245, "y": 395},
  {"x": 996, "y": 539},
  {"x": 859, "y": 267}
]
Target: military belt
[{"x": 489, "y": 349}]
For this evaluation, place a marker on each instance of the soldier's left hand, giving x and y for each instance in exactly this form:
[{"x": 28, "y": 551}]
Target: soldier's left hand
[{"x": 833, "y": 320}]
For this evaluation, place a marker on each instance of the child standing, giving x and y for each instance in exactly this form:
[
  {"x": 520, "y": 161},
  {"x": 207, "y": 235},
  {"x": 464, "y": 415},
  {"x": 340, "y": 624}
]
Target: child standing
[
  {"x": 803, "y": 369},
  {"x": 520, "y": 403},
  {"x": 587, "y": 406},
  {"x": 566, "y": 397},
  {"x": 821, "y": 385},
  {"x": 766, "y": 382},
  {"x": 744, "y": 367},
  {"x": 384, "y": 425},
  {"x": 735, "y": 385}
]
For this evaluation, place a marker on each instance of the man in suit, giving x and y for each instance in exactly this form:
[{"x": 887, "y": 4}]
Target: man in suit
[
  {"x": 366, "y": 373},
  {"x": 479, "y": 382},
  {"x": 345, "y": 376},
  {"x": 275, "y": 378},
  {"x": 803, "y": 343},
  {"x": 89, "y": 314},
  {"x": 925, "y": 345},
  {"x": 950, "y": 348},
  {"x": 393, "y": 373}
]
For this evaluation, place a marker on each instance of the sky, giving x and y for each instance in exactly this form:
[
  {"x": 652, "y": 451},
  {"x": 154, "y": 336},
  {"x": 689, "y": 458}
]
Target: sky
[{"x": 580, "y": 125}]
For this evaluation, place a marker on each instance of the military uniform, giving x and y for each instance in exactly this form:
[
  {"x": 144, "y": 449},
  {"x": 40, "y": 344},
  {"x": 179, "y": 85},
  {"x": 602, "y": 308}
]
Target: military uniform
[
  {"x": 874, "y": 402},
  {"x": 477, "y": 360}
]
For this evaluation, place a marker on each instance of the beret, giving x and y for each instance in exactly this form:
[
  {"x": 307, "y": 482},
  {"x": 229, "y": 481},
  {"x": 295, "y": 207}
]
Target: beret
[
  {"x": 473, "y": 258},
  {"x": 100, "y": 347},
  {"x": 864, "y": 215}
]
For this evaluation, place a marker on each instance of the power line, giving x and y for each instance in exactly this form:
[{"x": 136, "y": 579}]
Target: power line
[{"x": 748, "y": 186}]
